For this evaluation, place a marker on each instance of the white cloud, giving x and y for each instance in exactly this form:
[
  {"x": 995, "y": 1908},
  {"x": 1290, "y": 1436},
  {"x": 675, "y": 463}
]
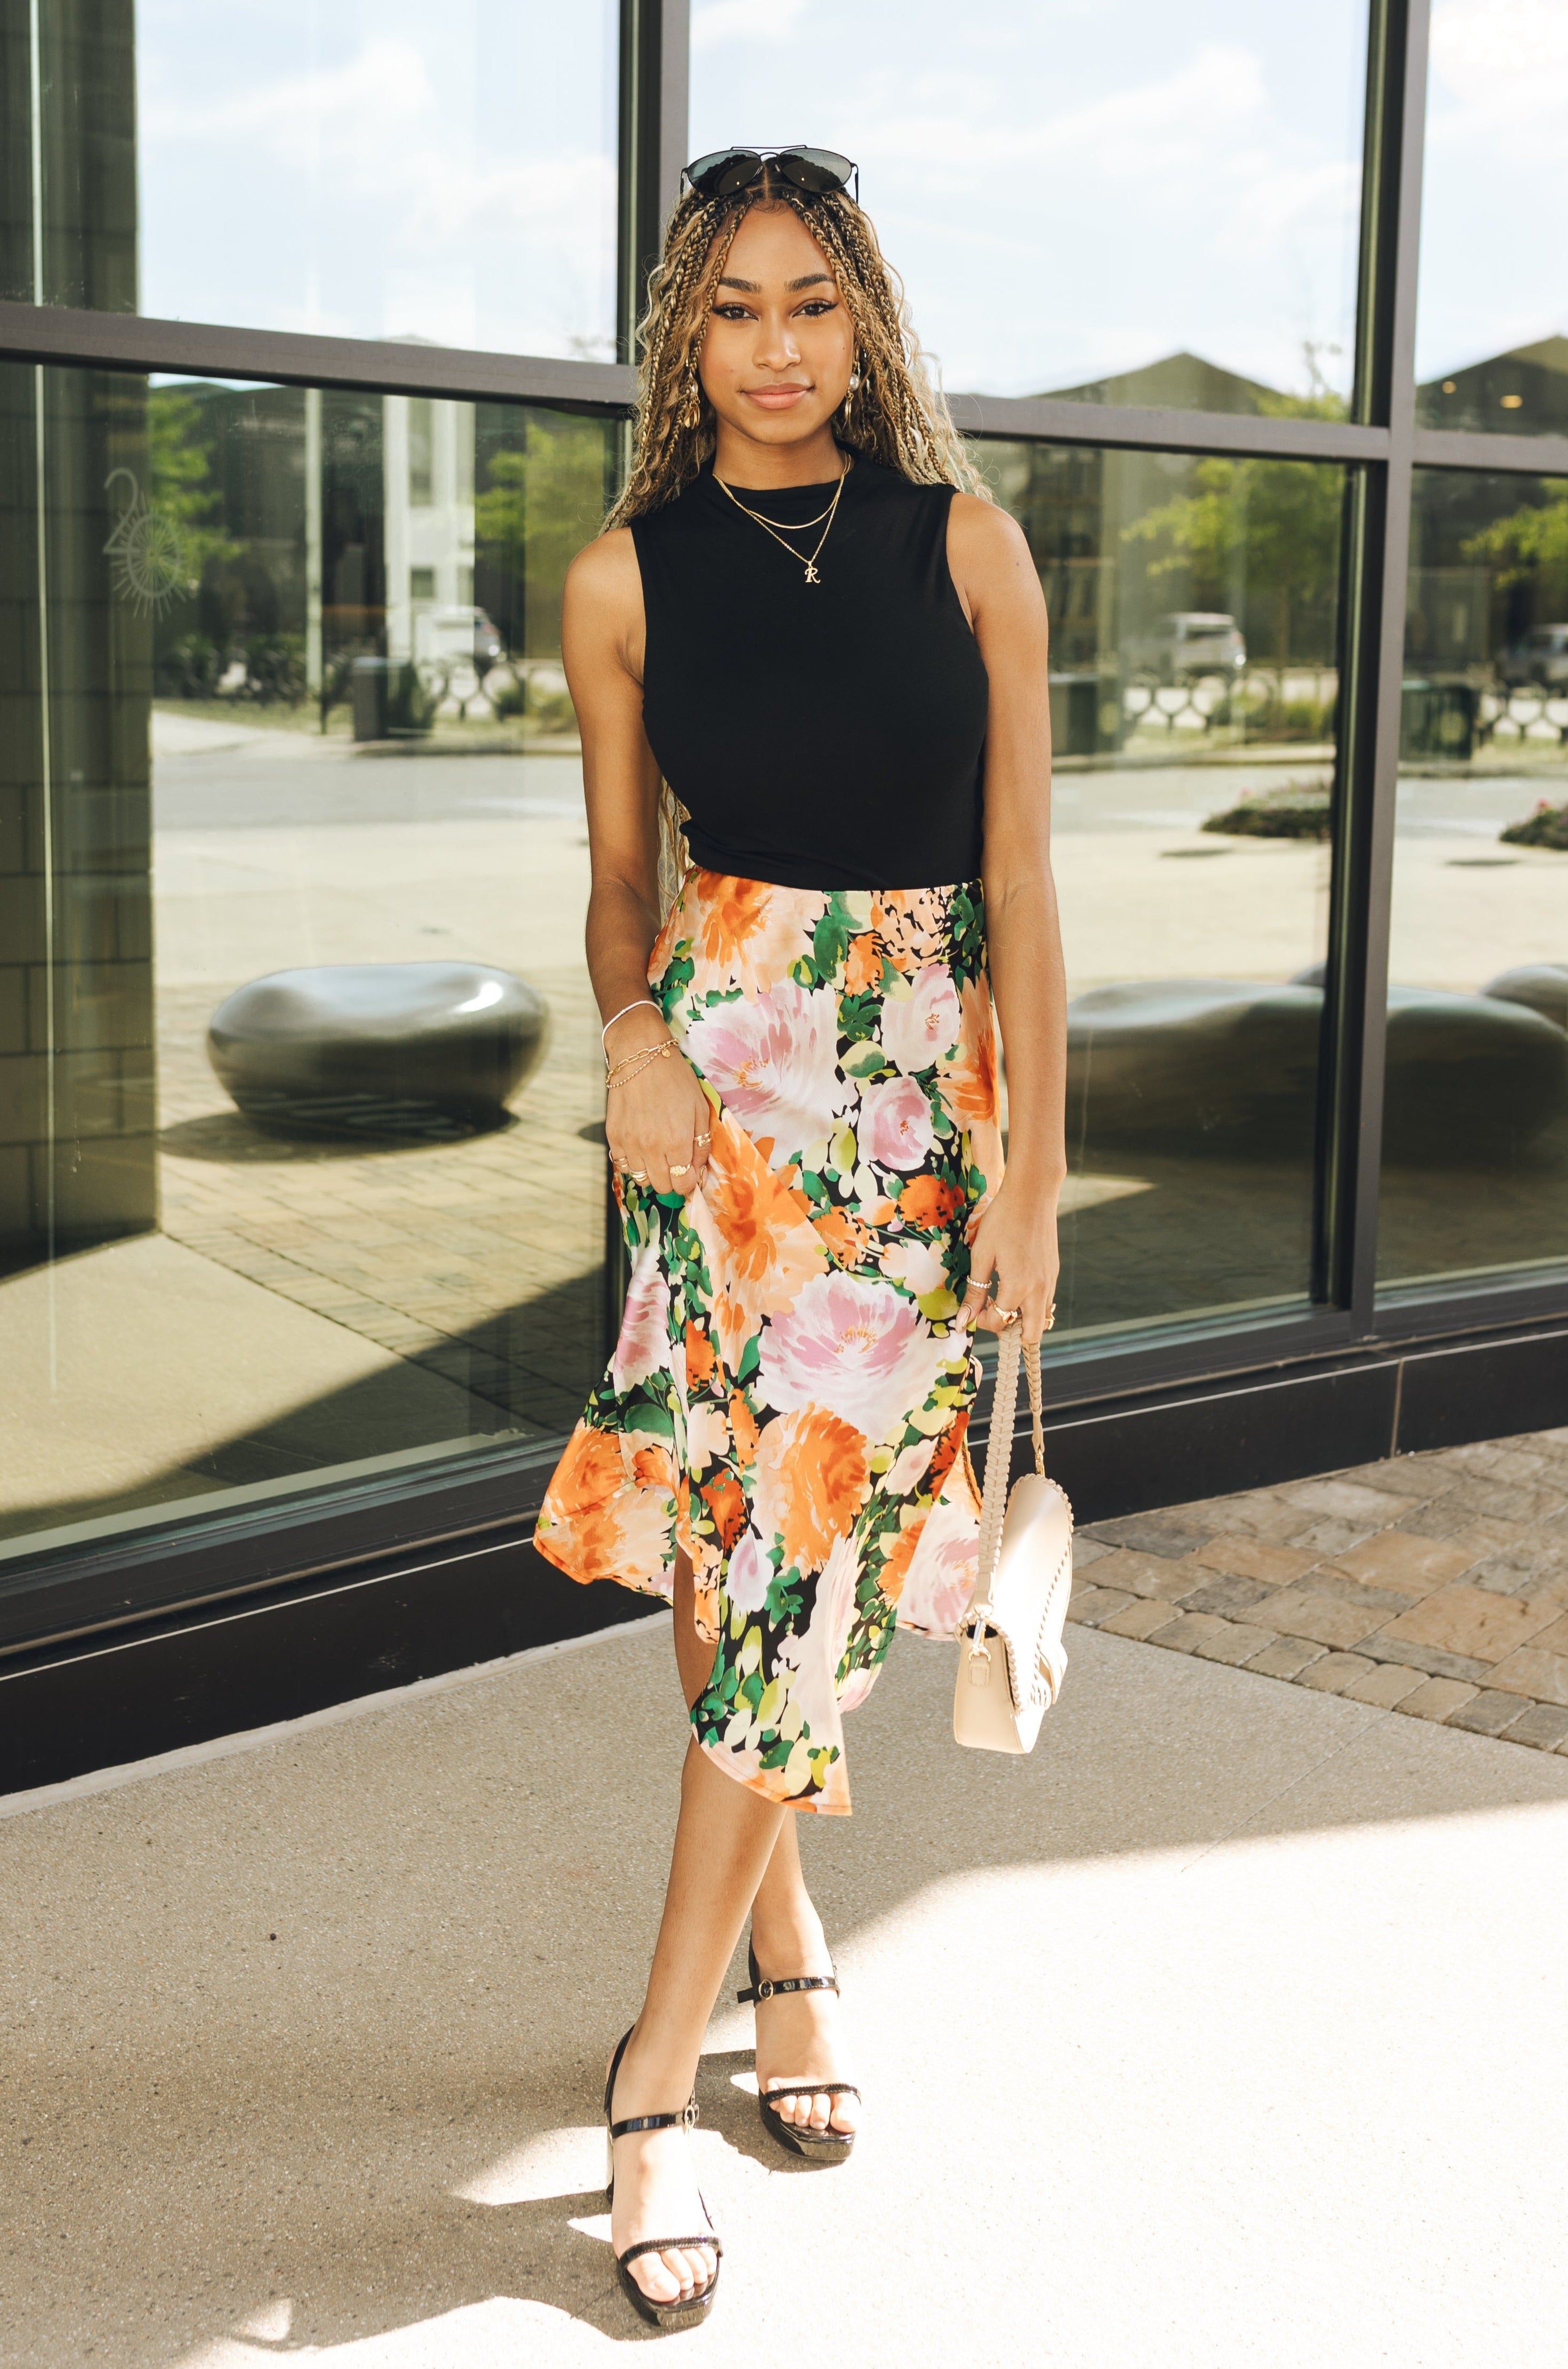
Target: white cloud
[
  {"x": 746, "y": 20},
  {"x": 1499, "y": 64}
]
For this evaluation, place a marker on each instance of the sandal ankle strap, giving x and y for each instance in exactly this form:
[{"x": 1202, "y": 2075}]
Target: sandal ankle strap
[
  {"x": 685, "y": 2121},
  {"x": 761, "y": 1990}
]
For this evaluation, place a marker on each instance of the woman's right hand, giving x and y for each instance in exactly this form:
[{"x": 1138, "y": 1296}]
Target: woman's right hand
[{"x": 658, "y": 1123}]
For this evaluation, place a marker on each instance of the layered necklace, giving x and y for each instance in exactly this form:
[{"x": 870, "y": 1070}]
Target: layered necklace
[{"x": 797, "y": 526}]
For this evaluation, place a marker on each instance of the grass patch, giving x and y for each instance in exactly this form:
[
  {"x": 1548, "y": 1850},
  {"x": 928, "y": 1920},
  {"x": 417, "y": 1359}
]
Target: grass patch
[
  {"x": 1293, "y": 810},
  {"x": 1548, "y": 826}
]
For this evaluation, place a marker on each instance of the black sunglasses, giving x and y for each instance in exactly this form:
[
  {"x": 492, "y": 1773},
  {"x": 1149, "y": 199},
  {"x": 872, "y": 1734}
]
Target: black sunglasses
[{"x": 812, "y": 171}]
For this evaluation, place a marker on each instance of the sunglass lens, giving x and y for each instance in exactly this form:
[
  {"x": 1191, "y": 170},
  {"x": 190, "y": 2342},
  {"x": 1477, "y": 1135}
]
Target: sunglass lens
[
  {"x": 816, "y": 169},
  {"x": 725, "y": 171}
]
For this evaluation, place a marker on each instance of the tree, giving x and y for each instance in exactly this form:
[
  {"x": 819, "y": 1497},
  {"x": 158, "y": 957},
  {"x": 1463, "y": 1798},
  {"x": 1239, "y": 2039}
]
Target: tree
[
  {"x": 1532, "y": 543},
  {"x": 178, "y": 465},
  {"x": 1274, "y": 523}
]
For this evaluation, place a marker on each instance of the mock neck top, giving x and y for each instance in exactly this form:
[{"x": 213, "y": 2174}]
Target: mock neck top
[{"x": 820, "y": 736}]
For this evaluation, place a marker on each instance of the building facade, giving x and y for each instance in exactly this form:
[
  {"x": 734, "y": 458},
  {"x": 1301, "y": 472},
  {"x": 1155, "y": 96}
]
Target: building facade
[{"x": 315, "y": 339}]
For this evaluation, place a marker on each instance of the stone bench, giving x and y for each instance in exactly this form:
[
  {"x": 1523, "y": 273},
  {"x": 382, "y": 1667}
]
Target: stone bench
[
  {"x": 1222, "y": 1067},
  {"x": 422, "y": 1048}
]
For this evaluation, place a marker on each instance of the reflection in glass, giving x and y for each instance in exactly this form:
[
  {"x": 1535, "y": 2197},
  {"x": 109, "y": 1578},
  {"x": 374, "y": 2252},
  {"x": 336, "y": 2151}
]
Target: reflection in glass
[
  {"x": 1475, "y": 1149},
  {"x": 1124, "y": 203},
  {"x": 1490, "y": 349},
  {"x": 447, "y": 177},
  {"x": 306, "y": 755},
  {"x": 1193, "y": 681}
]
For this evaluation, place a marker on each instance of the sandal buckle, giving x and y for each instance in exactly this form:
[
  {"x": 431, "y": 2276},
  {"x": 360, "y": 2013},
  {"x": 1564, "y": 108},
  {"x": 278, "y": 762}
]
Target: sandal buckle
[
  {"x": 765, "y": 1990},
  {"x": 689, "y": 2114}
]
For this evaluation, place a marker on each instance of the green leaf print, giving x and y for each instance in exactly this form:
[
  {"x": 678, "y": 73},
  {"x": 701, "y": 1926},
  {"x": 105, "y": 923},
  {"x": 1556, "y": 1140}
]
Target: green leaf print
[
  {"x": 830, "y": 939},
  {"x": 643, "y": 1416}
]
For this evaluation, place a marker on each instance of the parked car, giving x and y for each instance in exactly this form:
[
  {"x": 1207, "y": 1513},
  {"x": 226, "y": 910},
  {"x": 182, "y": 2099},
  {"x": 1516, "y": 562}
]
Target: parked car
[
  {"x": 457, "y": 634},
  {"x": 1190, "y": 643},
  {"x": 1540, "y": 657}
]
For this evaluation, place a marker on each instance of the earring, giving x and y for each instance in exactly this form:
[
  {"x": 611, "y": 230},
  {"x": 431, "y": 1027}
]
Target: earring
[
  {"x": 691, "y": 412},
  {"x": 854, "y": 390}
]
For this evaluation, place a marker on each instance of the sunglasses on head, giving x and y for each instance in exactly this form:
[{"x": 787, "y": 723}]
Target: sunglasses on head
[{"x": 812, "y": 171}]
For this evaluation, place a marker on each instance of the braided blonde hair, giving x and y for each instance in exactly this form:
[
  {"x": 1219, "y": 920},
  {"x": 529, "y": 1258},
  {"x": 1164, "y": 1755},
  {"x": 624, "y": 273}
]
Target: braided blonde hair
[{"x": 897, "y": 415}]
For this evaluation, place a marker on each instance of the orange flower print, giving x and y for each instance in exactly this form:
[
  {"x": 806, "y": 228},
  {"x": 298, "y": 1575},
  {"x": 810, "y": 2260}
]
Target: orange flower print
[
  {"x": 755, "y": 1232},
  {"x": 699, "y": 1358},
  {"x": 928, "y": 1202},
  {"x": 588, "y": 1475},
  {"x": 900, "y": 1554},
  {"x": 862, "y": 964},
  {"x": 851, "y": 1246},
  {"x": 602, "y": 1519},
  {"x": 744, "y": 934},
  {"x": 744, "y": 1431},
  {"x": 726, "y": 1501},
  {"x": 967, "y": 1085},
  {"x": 811, "y": 1484}
]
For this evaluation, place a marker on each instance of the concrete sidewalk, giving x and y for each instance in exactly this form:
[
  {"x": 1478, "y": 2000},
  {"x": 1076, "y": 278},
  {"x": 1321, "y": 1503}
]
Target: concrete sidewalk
[{"x": 1229, "y": 2027}]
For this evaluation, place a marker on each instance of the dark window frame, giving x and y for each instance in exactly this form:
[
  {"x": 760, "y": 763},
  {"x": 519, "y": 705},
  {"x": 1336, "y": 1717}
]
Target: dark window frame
[{"x": 328, "y": 1527}]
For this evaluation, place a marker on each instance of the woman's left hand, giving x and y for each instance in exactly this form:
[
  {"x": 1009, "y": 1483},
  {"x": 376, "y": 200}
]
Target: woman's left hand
[{"x": 1014, "y": 1261}]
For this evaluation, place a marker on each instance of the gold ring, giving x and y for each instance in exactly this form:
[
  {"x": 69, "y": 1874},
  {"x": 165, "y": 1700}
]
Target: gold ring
[
  {"x": 680, "y": 1168},
  {"x": 706, "y": 1136},
  {"x": 1007, "y": 1315},
  {"x": 637, "y": 1175}
]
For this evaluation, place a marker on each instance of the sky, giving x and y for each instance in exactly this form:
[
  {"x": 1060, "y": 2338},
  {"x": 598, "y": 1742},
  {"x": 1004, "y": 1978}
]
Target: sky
[
  {"x": 381, "y": 170},
  {"x": 1073, "y": 188},
  {"x": 1069, "y": 187},
  {"x": 1496, "y": 181}
]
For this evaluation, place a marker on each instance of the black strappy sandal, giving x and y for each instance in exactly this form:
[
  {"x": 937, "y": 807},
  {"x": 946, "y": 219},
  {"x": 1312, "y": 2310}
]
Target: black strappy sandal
[
  {"x": 821, "y": 2146},
  {"x": 687, "y": 2310}
]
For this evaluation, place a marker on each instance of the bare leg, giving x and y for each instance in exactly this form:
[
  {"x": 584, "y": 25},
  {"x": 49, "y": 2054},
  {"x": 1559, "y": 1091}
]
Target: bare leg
[
  {"x": 723, "y": 1840},
  {"x": 801, "y": 2029},
  {"x": 797, "y": 2035}
]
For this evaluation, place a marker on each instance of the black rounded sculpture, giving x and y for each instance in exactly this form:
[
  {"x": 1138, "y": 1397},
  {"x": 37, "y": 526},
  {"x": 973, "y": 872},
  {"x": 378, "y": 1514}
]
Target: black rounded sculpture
[
  {"x": 1221, "y": 1066},
  {"x": 1540, "y": 987},
  {"x": 415, "y": 1048}
]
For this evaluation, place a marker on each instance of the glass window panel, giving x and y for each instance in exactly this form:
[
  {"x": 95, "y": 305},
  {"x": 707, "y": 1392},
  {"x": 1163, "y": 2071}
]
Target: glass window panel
[
  {"x": 1194, "y": 678},
  {"x": 327, "y": 166},
  {"x": 1475, "y": 1145},
  {"x": 1124, "y": 203},
  {"x": 1490, "y": 348},
  {"x": 361, "y": 1219}
]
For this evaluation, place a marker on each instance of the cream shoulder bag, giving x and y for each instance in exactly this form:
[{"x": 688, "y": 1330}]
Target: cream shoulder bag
[{"x": 1011, "y": 1656}]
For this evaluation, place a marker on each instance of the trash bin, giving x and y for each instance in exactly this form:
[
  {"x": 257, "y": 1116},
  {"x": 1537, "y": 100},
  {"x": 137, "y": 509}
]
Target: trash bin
[
  {"x": 368, "y": 684},
  {"x": 1438, "y": 719}
]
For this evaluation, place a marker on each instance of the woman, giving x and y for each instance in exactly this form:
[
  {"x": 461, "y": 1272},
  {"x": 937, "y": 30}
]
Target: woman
[{"x": 807, "y": 620}]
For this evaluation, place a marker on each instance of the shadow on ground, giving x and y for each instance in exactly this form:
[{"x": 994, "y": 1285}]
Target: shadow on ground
[{"x": 276, "y": 2021}]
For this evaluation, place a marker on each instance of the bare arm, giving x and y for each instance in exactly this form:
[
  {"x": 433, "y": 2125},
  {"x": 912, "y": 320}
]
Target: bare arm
[
  {"x": 1015, "y": 1244},
  {"x": 652, "y": 1120}
]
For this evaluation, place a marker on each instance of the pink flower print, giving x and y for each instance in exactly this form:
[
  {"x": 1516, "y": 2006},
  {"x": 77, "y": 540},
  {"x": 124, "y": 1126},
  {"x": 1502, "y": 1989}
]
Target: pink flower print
[
  {"x": 909, "y": 1468},
  {"x": 644, "y": 1343},
  {"x": 918, "y": 1029},
  {"x": 774, "y": 1063},
  {"x": 750, "y": 1574},
  {"x": 817, "y": 1649},
  {"x": 894, "y": 1127},
  {"x": 919, "y": 1266},
  {"x": 941, "y": 1582},
  {"x": 859, "y": 1349}
]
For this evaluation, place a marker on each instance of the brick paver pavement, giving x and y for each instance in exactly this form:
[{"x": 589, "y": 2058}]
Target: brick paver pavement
[
  {"x": 476, "y": 1258},
  {"x": 1433, "y": 1585}
]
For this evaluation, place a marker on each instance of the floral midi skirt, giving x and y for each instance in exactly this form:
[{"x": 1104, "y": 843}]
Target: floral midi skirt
[{"x": 790, "y": 1391}]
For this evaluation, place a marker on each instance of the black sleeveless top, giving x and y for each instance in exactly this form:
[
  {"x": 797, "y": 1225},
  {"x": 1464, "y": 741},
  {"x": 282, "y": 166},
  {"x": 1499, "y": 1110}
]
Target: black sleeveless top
[{"x": 820, "y": 736}]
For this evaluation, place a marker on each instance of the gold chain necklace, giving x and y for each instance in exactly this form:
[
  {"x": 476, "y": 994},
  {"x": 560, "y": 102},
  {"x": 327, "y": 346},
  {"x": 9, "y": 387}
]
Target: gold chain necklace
[{"x": 800, "y": 524}]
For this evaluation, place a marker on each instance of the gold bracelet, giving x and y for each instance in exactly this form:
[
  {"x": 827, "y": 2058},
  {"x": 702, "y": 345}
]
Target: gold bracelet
[
  {"x": 639, "y": 1059},
  {"x": 635, "y": 1064},
  {"x": 640, "y": 1053}
]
